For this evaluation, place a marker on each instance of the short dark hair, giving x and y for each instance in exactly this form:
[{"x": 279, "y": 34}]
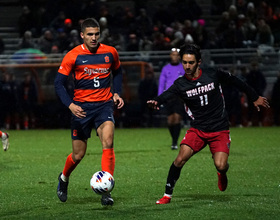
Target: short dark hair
[
  {"x": 89, "y": 22},
  {"x": 190, "y": 49}
]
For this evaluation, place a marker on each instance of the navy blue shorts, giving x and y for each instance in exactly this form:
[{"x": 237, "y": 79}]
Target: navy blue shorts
[{"x": 96, "y": 114}]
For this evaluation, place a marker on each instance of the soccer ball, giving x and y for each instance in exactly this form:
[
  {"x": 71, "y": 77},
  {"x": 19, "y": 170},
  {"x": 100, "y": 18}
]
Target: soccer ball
[{"x": 102, "y": 182}]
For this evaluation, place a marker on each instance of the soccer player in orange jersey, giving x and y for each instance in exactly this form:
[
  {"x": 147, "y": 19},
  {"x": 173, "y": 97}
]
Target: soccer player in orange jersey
[{"x": 91, "y": 64}]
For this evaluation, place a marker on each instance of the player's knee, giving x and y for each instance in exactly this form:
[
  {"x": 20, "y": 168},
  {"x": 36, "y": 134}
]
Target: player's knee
[
  {"x": 179, "y": 161},
  {"x": 108, "y": 143},
  {"x": 78, "y": 157},
  {"x": 221, "y": 166}
]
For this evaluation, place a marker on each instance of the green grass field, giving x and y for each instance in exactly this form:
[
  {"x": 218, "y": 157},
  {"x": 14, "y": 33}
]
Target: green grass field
[{"x": 29, "y": 170}]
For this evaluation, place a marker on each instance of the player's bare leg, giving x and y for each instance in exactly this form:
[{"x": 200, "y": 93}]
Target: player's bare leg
[{"x": 221, "y": 163}]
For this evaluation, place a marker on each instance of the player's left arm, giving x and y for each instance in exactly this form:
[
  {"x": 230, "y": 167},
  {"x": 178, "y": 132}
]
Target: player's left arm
[
  {"x": 243, "y": 86},
  {"x": 117, "y": 87},
  {"x": 261, "y": 101}
]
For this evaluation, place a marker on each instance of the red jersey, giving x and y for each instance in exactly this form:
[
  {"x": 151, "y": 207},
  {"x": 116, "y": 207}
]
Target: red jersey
[{"x": 91, "y": 72}]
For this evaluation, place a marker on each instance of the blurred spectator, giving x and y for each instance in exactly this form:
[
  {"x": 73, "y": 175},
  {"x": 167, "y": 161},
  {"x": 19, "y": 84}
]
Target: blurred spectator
[
  {"x": 106, "y": 13},
  {"x": 143, "y": 23},
  {"x": 147, "y": 90},
  {"x": 62, "y": 40},
  {"x": 42, "y": 19},
  {"x": 9, "y": 102},
  {"x": 275, "y": 101},
  {"x": 159, "y": 42},
  {"x": 28, "y": 100},
  {"x": 74, "y": 39},
  {"x": 118, "y": 41},
  {"x": 275, "y": 26},
  {"x": 185, "y": 9},
  {"x": 90, "y": 8},
  {"x": 58, "y": 21},
  {"x": 27, "y": 41},
  {"x": 265, "y": 11},
  {"x": 55, "y": 49},
  {"x": 68, "y": 26},
  {"x": 133, "y": 44},
  {"x": 233, "y": 14},
  {"x": 217, "y": 7},
  {"x": 241, "y": 6},
  {"x": 232, "y": 37},
  {"x": 249, "y": 31},
  {"x": 145, "y": 45},
  {"x": 200, "y": 34},
  {"x": 162, "y": 15},
  {"x": 118, "y": 14},
  {"x": 223, "y": 23},
  {"x": 188, "y": 28},
  {"x": 251, "y": 13},
  {"x": 105, "y": 36},
  {"x": 256, "y": 80},
  {"x": 211, "y": 42},
  {"x": 169, "y": 36},
  {"x": 46, "y": 41},
  {"x": 25, "y": 21},
  {"x": 178, "y": 37},
  {"x": 128, "y": 21},
  {"x": 189, "y": 39},
  {"x": 264, "y": 34},
  {"x": 2, "y": 45}
]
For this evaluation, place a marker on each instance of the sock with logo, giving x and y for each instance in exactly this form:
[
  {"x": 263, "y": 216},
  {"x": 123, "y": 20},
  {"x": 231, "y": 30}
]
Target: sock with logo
[{"x": 173, "y": 176}]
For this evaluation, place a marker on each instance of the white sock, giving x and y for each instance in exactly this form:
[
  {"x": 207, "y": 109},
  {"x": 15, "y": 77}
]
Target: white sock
[
  {"x": 168, "y": 195},
  {"x": 64, "y": 178},
  {"x": 4, "y": 136}
]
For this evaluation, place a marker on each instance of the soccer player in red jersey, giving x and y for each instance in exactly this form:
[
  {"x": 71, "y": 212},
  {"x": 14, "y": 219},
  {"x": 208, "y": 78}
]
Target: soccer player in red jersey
[
  {"x": 91, "y": 64},
  {"x": 200, "y": 89}
]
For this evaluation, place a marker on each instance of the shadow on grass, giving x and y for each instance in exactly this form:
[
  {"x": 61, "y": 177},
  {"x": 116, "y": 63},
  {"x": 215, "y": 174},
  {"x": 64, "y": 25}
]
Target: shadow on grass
[
  {"x": 203, "y": 197},
  {"x": 124, "y": 152}
]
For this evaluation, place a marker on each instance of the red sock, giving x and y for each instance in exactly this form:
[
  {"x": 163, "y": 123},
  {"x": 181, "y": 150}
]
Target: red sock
[
  {"x": 108, "y": 160},
  {"x": 1, "y": 134},
  {"x": 70, "y": 165}
]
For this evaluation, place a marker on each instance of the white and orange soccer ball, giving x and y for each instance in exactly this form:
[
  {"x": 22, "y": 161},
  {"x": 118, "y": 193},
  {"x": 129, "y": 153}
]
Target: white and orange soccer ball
[{"x": 102, "y": 182}]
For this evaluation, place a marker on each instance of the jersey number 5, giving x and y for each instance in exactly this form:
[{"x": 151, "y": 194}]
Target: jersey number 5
[
  {"x": 96, "y": 82},
  {"x": 203, "y": 100}
]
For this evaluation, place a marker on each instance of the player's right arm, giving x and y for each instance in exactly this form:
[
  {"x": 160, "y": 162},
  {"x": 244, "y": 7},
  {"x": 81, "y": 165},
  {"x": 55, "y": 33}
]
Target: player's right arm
[
  {"x": 59, "y": 84},
  {"x": 60, "y": 89},
  {"x": 64, "y": 71},
  {"x": 164, "y": 97}
]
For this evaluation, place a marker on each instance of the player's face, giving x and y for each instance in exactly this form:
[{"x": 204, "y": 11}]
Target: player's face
[
  {"x": 91, "y": 36},
  {"x": 190, "y": 65},
  {"x": 175, "y": 57}
]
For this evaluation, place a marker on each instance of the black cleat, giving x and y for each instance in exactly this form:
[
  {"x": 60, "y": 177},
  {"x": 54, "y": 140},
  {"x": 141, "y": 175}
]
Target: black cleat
[
  {"x": 62, "y": 189},
  {"x": 107, "y": 199}
]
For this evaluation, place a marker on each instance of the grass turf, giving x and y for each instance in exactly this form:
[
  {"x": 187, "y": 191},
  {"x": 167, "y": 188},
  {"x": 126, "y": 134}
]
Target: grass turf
[{"x": 29, "y": 171}]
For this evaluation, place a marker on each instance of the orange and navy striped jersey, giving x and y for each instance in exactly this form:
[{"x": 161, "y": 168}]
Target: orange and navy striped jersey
[{"x": 91, "y": 72}]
